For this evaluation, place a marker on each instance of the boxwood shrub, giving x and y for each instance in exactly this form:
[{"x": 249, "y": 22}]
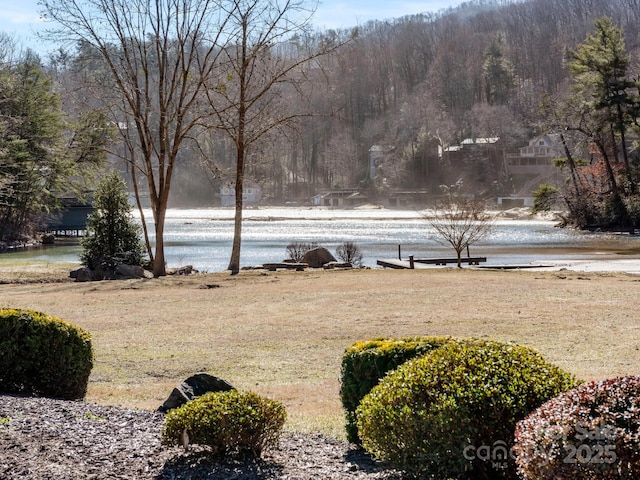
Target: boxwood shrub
[
  {"x": 452, "y": 413},
  {"x": 365, "y": 363},
  {"x": 231, "y": 423},
  {"x": 589, "y": 433},
  {"x": 43, "y": 355}
]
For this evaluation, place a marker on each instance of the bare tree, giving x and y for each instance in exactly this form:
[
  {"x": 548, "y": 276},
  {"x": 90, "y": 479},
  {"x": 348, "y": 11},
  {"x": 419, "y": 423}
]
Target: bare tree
[
  {"x": 460, "y": 223},
  {"x": 259, "y": 76},
  {"x": 296, "y": 250},
  {"x": 350, "y": 252},
  {"x": 159, "y": 56}
]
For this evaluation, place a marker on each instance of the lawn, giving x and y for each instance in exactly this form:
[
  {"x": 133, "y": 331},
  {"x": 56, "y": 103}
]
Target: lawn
[{"x": 282, "y": 334}]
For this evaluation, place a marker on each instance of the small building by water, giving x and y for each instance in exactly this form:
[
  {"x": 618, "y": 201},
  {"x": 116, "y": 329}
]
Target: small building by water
[{"x": 71, "y": 219}]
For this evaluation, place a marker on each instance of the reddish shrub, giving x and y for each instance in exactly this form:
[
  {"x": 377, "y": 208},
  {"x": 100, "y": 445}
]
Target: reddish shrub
[{"x": 589, "y": 433}]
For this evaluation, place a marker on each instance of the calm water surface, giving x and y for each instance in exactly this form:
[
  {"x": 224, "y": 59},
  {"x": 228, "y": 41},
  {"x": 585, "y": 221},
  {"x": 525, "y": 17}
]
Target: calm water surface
[{"x": 202, "y": 238}]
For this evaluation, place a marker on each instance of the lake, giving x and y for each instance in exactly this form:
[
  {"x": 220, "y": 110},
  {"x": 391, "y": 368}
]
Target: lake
[{"x": 203, "y": 237}]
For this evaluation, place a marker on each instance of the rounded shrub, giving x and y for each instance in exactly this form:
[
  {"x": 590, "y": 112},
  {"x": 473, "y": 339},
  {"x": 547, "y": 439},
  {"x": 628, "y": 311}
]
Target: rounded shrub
[
  {"x": 589, "y": 433},
  {"x": 43, "y": 355},
  {"x": 365, "y": 363},
  {"x": 452, "y": 413},
  {"x": 231, "y": 423}
]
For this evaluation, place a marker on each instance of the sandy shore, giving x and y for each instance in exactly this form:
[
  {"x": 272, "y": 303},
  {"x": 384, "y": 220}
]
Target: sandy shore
[
  {"x": 631, "y": 266},
  {"x": 601, "y": 265}
]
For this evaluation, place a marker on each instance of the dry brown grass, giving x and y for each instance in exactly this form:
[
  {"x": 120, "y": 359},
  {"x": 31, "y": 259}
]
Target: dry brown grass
[{"x": 283, "y": 334}]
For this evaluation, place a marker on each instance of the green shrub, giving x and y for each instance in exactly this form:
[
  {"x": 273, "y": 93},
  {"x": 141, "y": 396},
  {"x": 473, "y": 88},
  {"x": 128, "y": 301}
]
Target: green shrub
[
  {"x": 365, "y": 363},
  {"x": 113, "y": 236},
  {"x": 452, "y": 413},
  {"x": 43, "y": 355},
  {"x": 589, "y": 433},
  {"x": 232, "y": 423}
]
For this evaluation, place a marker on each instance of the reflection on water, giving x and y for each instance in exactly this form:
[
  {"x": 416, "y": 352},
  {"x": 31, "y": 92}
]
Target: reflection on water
[{"x": 202, "y": 238}]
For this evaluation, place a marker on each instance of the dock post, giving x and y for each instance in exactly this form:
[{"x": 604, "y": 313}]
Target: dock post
[
  {"x": 399, "y": 252},
  {"x": 411, "y": 264}
]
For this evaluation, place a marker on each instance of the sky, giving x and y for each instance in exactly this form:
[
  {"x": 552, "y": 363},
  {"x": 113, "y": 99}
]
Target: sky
[{"x": 20, "y": 18}]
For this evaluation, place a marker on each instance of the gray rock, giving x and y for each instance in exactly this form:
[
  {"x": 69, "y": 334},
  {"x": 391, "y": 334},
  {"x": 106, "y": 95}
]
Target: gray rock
[
  {"x": 193, "y": 387},
  {"x": 83, "y": 274},
  {"x": 124, "y": 271},
  {"x": 317, "y": 257}
]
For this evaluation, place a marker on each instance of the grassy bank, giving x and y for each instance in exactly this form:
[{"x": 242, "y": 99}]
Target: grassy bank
[{"x": 282, "y": 334}]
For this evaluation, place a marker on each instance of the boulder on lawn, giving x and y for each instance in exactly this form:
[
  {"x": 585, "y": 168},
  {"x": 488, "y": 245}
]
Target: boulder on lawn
[
  {"x": 193, "y": 387},
  {"x": 82, "y": 274},
  {"x": 126, "y": 272},
  {"x": 317, "y": 257}
]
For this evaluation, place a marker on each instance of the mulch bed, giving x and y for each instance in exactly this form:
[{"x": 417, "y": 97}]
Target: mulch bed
[{"x": 41, "y": 438}]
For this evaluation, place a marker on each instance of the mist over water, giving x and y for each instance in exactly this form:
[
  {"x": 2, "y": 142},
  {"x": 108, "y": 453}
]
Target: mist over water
[{"x": 203, "y": 237}]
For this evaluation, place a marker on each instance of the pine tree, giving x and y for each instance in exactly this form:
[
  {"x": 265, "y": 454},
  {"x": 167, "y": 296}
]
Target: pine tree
[
  {"x": 112, "y": 234},
  {"x": 599, "y": 69}
]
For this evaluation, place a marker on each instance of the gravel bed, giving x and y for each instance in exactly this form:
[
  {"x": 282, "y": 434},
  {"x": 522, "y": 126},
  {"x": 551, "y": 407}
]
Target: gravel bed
[{"x": 41, "y": 438}]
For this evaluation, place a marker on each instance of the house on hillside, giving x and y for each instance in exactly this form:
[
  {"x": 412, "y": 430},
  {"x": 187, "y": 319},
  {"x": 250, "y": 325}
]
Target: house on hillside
[
  {"x": 531, "y": 166},
  {"x": 456, "y": 153},
  {"x": 251, "y": 194},
  {"x": 479, "y": 162}
]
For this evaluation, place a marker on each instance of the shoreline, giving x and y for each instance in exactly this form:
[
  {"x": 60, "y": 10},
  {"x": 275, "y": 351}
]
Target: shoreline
[{"x": 196, "y": 237}]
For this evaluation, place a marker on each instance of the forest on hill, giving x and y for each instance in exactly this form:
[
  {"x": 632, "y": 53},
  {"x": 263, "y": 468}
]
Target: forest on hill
[
  {"x": 385, "y": 105},
  {"x": 418, "y": 85}
]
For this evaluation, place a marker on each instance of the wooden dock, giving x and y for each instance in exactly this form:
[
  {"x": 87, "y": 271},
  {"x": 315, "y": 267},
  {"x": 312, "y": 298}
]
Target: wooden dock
[
  {"x": 414, "y": 263},
  {"x": 297, "y": 266},
  {"x": 399, "y": 264},
  {"x": 445, "y": 261}
]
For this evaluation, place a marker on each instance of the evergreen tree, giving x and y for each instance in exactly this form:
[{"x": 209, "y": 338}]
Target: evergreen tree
[
  {"x": 41, "y": 153},
  {"x": 30, "y": 130},
  {"x": 599, "y": 69},
  {"x": 599, "y": 110},
  {"x": 112, "y": 234},
  {"x": 498, "y": 74}
]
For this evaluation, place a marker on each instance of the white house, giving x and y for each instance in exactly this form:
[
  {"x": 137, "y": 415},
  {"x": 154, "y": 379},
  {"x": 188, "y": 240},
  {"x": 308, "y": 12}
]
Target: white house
[
  {"x": 251, "y": 194},
  {"x": 530, "y": 167}
]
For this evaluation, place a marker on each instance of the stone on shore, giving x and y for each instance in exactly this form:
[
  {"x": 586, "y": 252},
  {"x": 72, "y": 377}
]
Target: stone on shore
[{"x": 318, "y": 257}]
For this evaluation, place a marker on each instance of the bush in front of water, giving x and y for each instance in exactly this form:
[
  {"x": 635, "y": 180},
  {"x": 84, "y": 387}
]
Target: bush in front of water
[
  {"x": 231, "y": 423},
  {"x": 350, "y": 252},
  {"x": 590, "y": 432},
  {"x": 43, "y": 355},
  {"x": 452, "y": 413},
  {"x": 365, "y": 363},
  {"x": 296, "y": 250},
  {"x": 112, "y": 235}
]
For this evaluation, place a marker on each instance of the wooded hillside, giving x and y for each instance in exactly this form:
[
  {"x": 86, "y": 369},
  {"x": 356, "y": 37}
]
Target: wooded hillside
[
  {"x": 420, "y": 84},
  {"x": 413, "y": 87}
]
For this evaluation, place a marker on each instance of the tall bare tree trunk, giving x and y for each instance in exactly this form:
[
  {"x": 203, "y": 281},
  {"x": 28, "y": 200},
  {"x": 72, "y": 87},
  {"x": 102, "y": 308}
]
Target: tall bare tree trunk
[{"x": 234, "y": 262}]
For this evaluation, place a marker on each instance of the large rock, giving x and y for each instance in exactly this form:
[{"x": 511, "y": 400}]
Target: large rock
[
  {"x": 118, "y": 271},
  {"x": 125, "y": 272},
  {"x": 82, "y": 274},
  {"x": 193, "y": 387},
  {"x": 317, "y": 257}
]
